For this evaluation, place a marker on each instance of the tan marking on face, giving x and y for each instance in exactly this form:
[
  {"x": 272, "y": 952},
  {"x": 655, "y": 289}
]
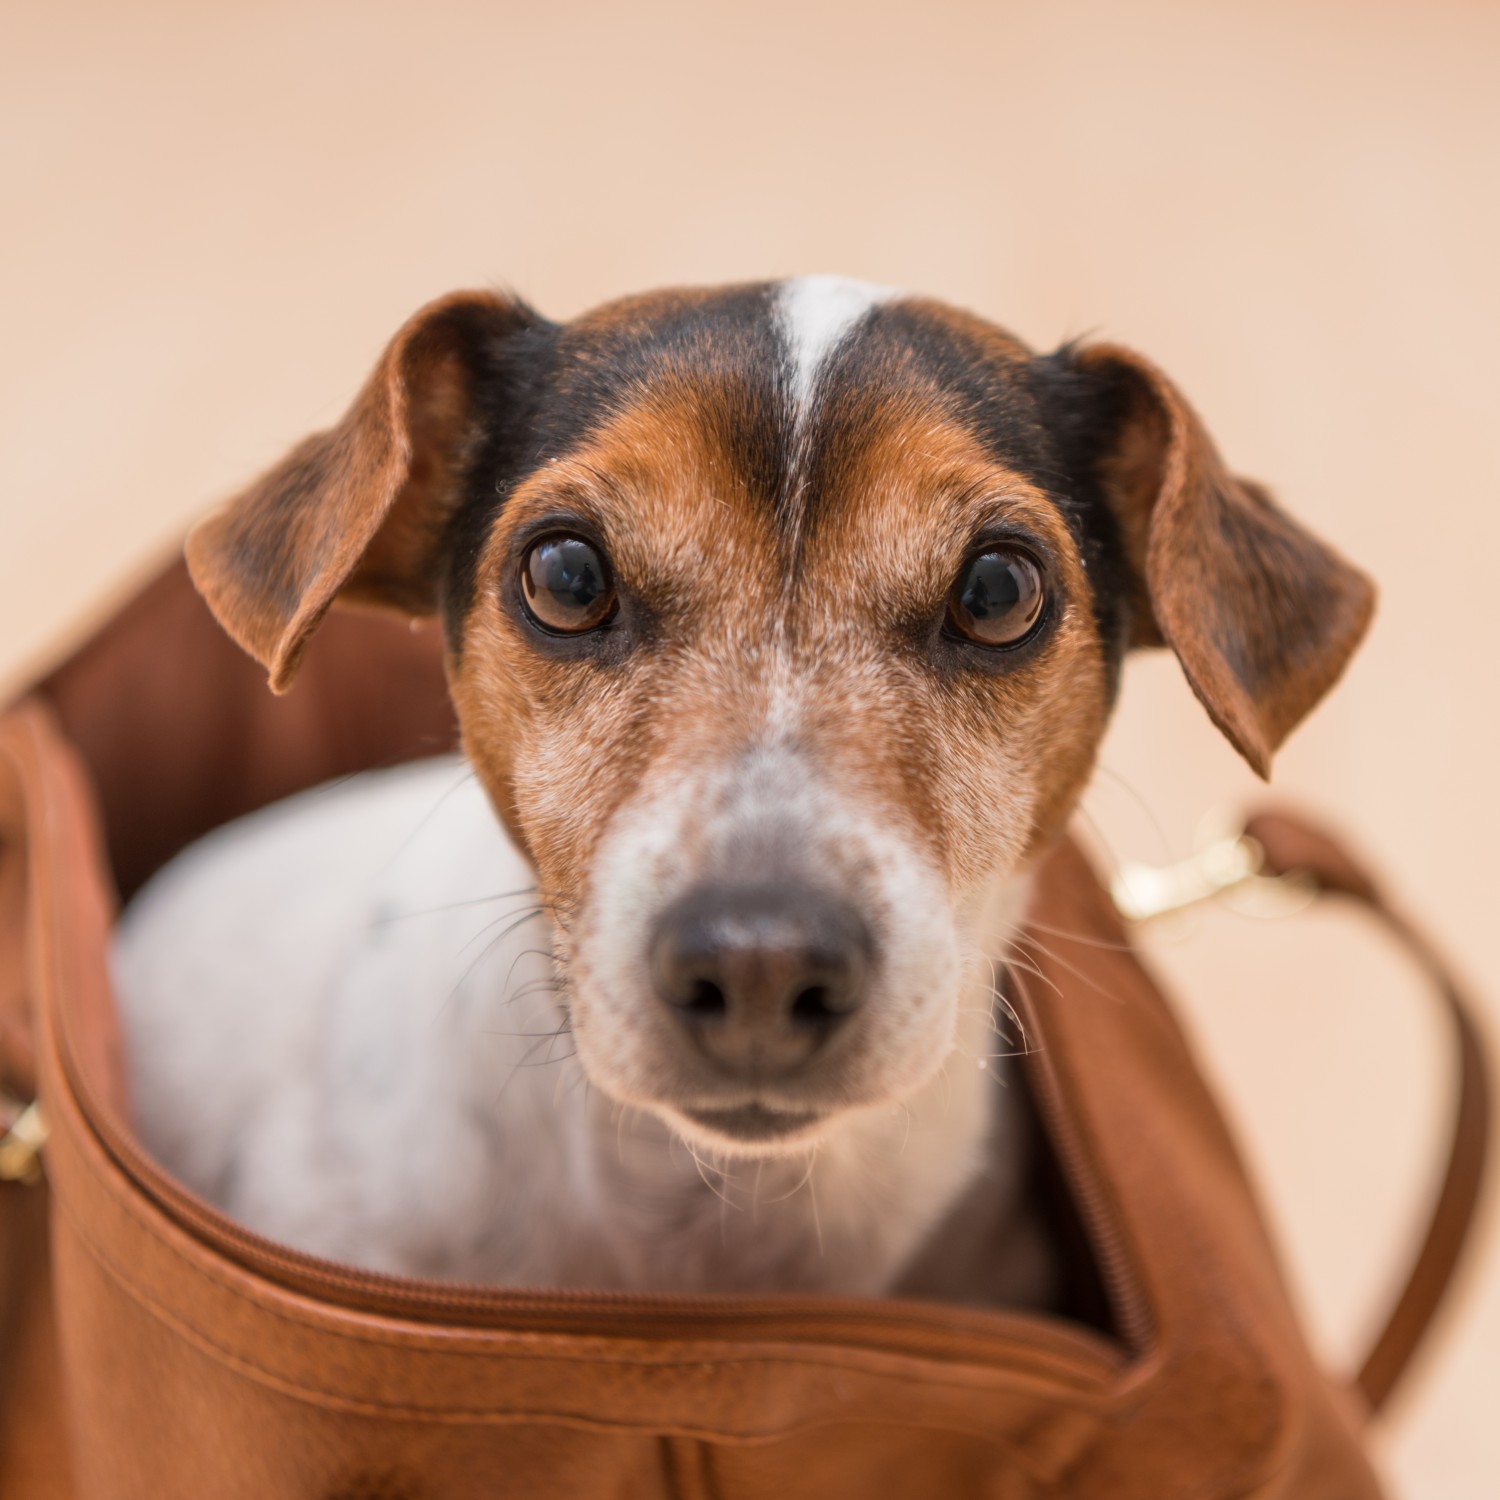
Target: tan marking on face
[
  {"x": 910, "y": 508},
  {"x": 784, "y": 704},
  {"x": 569, "y": 737}
]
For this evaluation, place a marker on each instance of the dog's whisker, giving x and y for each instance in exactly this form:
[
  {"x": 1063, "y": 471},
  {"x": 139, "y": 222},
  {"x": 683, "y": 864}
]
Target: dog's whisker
[
  {"x": 817, "y": 1218},
  {"x": 981, "y": 1058},
  {"x": 385, "y": 919},
  {"x": 542, "y": 986},
  {"x": 538, "y": 953},
  {"x": 992, "y": 1028},
  {"x": 548, "y": 1062},
  {"x": 525, "y": 1062},
  {"x": 1016, "y": 964},
  {"x": 478, "y": 959},
  {"x": 563, "y": 1028},
  {"x": 1081, "y": 938},
  {"x": 986, "y": 1012},
  {"x": 517, "y": 919},
  {"x": 1079, "y": 974},
  {"x": 510, "y": 973},
  {"x": 703, "y": 1171},
  {"x": 1001, "y": 1035},
  {"x": 998, "y": 998},
  {"x": 797, "y": 1186},
  {"x": 1031, "y": 1050}
]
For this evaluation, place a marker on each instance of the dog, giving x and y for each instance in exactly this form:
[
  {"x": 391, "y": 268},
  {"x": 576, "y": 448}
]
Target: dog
[{"x": 782, "y": 622}]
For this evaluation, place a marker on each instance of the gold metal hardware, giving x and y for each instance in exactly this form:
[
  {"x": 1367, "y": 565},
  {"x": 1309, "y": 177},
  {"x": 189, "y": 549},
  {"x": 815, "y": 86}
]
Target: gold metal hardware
[
  {"x": 1228, "y": 863},
  {"x": 23, "y": 1133}
]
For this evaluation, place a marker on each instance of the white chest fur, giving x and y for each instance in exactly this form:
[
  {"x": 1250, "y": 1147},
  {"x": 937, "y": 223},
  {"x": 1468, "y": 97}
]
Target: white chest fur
[{"x": 342, "y": 1027}]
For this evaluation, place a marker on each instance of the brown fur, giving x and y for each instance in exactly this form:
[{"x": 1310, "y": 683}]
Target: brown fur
[
  {"x": 355, "y": 511},
  {"x": 1262, "y": 615}
]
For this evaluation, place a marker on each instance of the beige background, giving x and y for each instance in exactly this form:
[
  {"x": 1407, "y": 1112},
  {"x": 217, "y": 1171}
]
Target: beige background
[{"x": 212, "y": 216}]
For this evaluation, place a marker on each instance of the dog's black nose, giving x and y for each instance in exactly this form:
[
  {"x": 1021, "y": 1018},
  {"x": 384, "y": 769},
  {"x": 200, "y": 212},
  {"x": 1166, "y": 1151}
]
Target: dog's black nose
[{"x": 760, "y": 976}]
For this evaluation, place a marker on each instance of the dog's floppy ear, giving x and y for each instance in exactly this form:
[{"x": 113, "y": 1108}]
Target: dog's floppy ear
[
  {"x": 1262, "y": 615},
  {"x": 358, "y": 510}
]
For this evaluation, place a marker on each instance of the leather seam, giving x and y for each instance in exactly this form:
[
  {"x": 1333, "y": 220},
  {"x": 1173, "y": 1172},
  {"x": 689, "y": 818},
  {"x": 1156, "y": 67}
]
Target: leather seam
[
  {"x": 398, "y": 1344},
  {"x": 438, "y": 1346},
  {"x": 456, "y": 1415}
]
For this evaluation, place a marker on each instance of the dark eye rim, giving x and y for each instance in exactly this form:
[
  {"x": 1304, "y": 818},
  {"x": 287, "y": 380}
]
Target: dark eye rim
[
  {"x": 1037, "y": 557},
  {"x": 561, "y": 533}
]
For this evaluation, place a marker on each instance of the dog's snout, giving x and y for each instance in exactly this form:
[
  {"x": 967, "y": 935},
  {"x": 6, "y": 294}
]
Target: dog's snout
[{"x": 761, "y": 976}]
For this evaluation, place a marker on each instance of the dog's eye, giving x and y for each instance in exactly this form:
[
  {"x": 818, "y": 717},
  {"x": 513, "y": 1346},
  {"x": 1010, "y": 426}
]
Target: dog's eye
[
  {"x": 998, "y": 598},
  {"x": 566, "y": 585}
]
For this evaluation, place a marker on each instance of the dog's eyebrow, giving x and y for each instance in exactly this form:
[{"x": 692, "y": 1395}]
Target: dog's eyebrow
[
  {"x": 976, "y": 492},
  {"x": 606, "y": 482},
  {"x": 577, "y": 482}
]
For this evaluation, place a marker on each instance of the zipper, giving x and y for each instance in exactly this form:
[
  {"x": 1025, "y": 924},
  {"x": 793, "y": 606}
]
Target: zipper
[{"x": 933, "y": 1330}]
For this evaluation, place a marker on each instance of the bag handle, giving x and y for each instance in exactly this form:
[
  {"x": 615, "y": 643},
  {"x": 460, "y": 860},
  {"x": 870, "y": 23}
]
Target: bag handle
[
  {"x": 1284, "y": 852},
  {"x": 1292, "y": 846}
]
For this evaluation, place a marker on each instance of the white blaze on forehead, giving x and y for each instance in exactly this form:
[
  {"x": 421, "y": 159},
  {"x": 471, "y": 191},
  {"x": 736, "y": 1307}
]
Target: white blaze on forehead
[{"x": 815, "y": 313}]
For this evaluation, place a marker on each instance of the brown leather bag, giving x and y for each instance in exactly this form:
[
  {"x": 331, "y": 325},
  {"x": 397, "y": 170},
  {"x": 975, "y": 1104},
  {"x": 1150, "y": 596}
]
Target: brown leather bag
[{"x": 151, "y": 1347}]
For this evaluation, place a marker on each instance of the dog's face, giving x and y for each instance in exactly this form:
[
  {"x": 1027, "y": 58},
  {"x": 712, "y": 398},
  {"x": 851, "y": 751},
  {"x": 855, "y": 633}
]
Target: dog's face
[{"x": 783, "y": 623}]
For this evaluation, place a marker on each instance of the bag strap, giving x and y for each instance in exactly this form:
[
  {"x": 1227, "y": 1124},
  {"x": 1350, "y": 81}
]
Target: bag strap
[{"x": 1292, "y": 846}]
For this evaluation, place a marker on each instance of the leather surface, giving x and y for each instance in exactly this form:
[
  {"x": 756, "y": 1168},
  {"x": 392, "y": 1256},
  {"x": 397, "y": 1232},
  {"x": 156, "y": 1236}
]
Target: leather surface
[
  {"x": 198, "y": 1361},
  {"x": 1295, "y": 844}
]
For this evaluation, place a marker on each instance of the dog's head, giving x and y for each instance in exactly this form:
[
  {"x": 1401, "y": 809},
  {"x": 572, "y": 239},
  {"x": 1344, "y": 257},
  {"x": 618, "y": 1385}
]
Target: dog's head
[{"x": 783, "y": 622}]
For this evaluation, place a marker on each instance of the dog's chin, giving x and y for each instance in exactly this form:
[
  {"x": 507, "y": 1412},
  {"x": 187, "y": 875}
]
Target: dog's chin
[{"x": 749, "y": 1131}]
